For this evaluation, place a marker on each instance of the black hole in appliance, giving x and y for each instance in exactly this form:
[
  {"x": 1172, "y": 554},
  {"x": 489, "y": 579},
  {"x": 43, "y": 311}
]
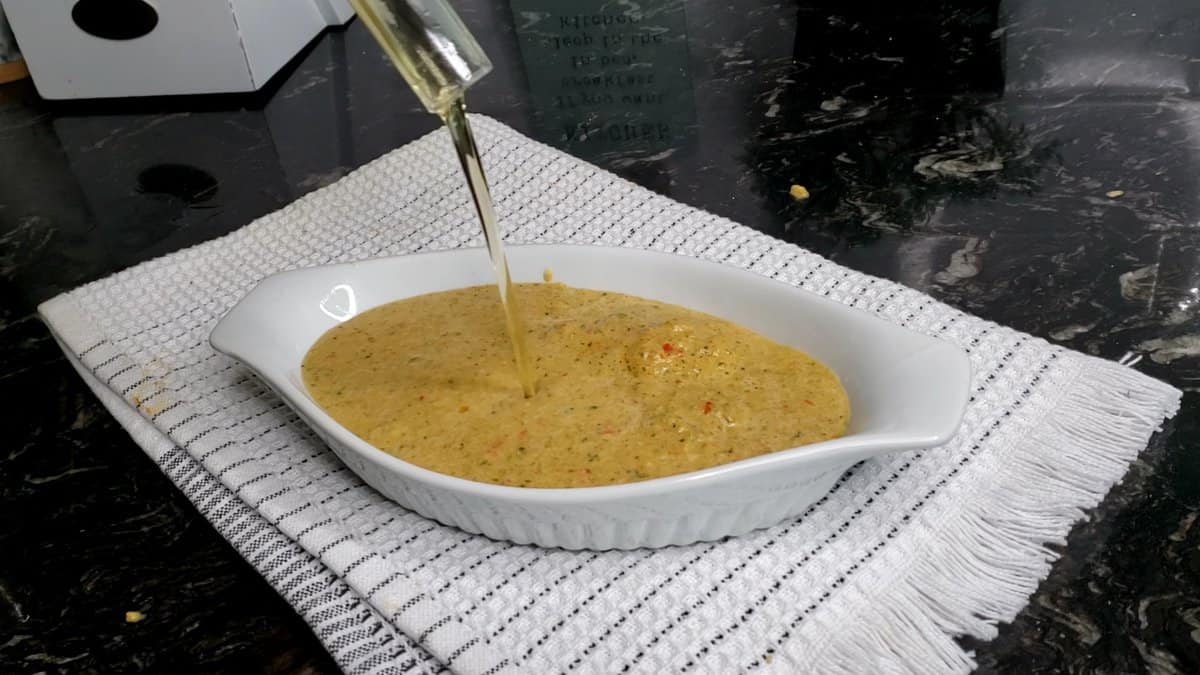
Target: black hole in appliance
[
  {"x": 115, "y": 19},
  {"x": 188, "y": 183}
]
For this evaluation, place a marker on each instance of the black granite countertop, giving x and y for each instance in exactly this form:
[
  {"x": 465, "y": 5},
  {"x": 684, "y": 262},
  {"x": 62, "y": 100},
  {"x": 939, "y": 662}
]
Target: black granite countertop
[{"x": 1034, "y": 162}]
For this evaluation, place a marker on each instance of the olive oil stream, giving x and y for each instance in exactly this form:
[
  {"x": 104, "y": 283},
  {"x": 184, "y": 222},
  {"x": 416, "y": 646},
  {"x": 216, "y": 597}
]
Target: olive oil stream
[
  {"x": 439, "y": 58},
  {"x": 455, "y": 117}
]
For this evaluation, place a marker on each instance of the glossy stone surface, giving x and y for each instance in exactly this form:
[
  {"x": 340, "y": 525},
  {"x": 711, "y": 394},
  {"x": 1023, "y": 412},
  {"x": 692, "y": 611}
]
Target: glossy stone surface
[{"x": 1036, "y": 163}]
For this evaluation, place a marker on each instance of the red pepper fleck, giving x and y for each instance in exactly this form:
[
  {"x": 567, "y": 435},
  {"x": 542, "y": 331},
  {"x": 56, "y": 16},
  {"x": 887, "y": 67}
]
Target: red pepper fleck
[
  {"x": 807, "y": 402},
  {"x": 668, "y": 347},
  {"x": 707, "y": 407}
]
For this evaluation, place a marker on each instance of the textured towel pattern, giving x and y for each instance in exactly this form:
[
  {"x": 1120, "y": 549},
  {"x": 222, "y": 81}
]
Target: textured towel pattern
[{"x": 904, "y": 553}]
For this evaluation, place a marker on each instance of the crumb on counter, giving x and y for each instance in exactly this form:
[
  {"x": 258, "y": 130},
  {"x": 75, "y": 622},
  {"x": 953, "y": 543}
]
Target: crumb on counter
[
  {"x": 798, "y": 192},
  {"x": 1113, "y": 194},
  {"x": 134, "y": 616},
  {"x": 547, "y": 275}
]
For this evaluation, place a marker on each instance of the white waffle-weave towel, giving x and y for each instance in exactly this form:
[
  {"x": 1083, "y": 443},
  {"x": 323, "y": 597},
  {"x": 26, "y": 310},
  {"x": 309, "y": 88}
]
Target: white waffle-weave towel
[{"x": 903, "y": 554}]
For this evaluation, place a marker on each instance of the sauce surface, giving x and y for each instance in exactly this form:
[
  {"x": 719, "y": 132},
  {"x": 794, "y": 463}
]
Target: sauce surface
[{"x": 628, "y": 388}]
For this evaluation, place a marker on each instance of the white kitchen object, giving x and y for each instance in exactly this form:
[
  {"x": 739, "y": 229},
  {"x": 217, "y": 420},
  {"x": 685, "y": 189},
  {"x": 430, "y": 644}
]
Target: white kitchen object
[
  {"x": 119, "y": 48},
  {"x": 907, "y": 390}
]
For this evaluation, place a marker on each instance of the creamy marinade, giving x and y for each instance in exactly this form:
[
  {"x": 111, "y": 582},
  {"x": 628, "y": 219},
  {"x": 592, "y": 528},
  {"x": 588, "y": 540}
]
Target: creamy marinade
[{"x": 627, "y": 388}]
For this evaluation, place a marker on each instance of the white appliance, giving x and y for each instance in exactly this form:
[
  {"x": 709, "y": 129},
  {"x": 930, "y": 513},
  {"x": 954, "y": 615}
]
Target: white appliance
[{"x": 120, "y": 48}]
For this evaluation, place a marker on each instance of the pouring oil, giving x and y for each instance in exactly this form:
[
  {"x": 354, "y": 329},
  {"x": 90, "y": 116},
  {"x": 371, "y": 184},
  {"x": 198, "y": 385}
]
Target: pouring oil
[
  {"x": 455, "y": 117},
  {"x": 439, "y": 59}
]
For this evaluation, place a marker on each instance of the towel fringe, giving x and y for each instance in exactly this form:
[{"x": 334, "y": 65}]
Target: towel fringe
[{"x": 979, "y": 568}]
